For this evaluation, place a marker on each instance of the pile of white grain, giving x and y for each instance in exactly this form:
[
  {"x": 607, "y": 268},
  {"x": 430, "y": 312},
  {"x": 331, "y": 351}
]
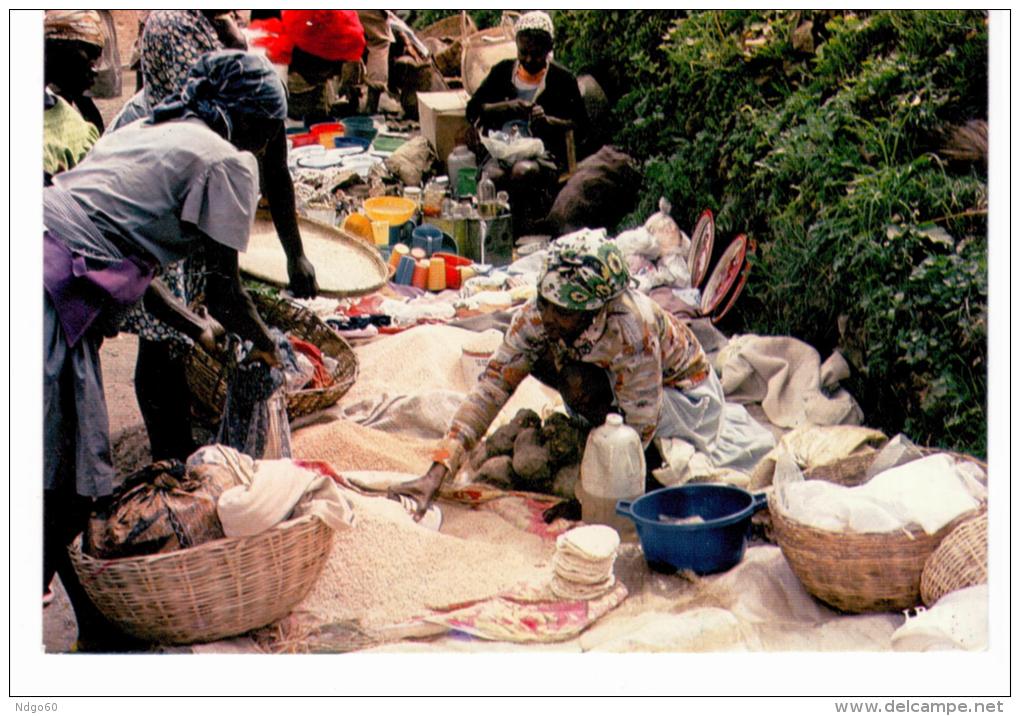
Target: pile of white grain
[
  {"x": 349, "y": 446},
  {"x": 426, "y": 356},
  {"x": 387, "y": 569}
]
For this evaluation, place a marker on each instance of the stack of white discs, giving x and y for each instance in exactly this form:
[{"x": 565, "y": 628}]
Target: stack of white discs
[{"x": 583, "y": 563}]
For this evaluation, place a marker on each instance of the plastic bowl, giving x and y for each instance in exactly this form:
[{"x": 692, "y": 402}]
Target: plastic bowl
[
  {"x": 323, "y": 127},
  {"x": 345, "y": 142},
  {"x": 393, "y": 209},
  {"x": 706, "y": 547},
  {"x": 303, "y": 140},
  {"x": 363, "y": 127}
]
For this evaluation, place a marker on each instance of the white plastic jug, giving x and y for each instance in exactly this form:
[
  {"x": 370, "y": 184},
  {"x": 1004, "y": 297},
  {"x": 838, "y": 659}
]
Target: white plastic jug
[
  {"x": 613, "y": 468},
  {"x": 460, "y": 158}
]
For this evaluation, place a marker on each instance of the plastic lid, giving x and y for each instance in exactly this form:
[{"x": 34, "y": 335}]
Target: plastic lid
[{"x": 614, "y": 419}]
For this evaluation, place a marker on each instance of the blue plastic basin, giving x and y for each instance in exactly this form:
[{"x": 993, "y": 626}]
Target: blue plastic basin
[
  {"x": 345, "y": 142},
  {"x": 714, "y": 545}
]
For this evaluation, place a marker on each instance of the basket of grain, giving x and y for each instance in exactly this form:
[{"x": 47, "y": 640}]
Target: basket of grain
[
  {"x": 960, "y": 561},
  {"x": 213, "y": 591},
  {"x": 207, "y": 376},
  {"x": 860, "y": 572}
]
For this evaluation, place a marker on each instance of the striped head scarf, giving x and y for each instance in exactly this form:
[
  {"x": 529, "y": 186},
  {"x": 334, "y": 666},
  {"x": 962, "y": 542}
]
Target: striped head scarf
[
  {"x": 583, "y": 271},
  {"x": 222, "y": 85},
  {"x": 78, "y": 25}
]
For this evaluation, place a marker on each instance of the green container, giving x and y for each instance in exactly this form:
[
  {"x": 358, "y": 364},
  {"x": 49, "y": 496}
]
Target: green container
[{"x": 467, "y": 181}]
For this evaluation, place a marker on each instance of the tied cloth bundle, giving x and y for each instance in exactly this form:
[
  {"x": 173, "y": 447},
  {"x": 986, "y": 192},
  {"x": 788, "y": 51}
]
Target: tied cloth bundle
[{"x": 583, "y": 563}]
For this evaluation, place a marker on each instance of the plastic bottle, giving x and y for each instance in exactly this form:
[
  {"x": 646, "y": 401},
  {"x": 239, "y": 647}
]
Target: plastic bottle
[
  {"x": 432, "y": 199},
  {"x": 460, "y": 158},
  {"x": 487, "y": 198},
  {"x": 613, "y": 468}
]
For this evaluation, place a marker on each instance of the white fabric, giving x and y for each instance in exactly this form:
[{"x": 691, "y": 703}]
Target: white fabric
[
  {"x": 928, "y": 493},
  {"x": 959, "y": 620},
  {"x": 275, "y": 490},
  {"x": 723, "y": 432}
]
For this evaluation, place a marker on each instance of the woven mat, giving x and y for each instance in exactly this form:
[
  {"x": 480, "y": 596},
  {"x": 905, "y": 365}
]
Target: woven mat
[{"x": 344, "y": 266}]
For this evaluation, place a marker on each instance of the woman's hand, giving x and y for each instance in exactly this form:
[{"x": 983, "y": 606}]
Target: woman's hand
[
  {"x": 538, "y": 116},
  {"x": 265, "y": 350},
  {"x": 510, "y": 109},
  {"x": 423, "y": 490},
  {"x": 212, "y": 336},
  {"x": 302, "y": 277}
]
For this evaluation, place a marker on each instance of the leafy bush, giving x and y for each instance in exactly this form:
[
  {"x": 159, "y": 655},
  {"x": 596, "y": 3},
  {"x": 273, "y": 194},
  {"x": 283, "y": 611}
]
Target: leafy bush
[{"x": 826, "y": 153}]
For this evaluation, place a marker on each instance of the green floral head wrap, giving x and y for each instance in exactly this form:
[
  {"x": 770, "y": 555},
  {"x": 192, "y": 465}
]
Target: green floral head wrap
[{"x": 583, "y": 271}]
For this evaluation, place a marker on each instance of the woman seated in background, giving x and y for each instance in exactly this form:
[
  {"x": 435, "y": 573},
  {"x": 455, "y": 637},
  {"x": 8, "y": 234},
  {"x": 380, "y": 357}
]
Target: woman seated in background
[
  {"x": 605, "y": 348},
  {"x": 543, "y": 96},
  {"x": 150, "y": 194}
]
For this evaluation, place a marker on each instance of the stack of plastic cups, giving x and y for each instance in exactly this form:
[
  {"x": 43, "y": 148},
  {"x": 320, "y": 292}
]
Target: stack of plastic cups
[
  {"x": 437, "y": 274},
  {"x": 421, "y": 273},
  {"x": 398, "y": 252},
  {"x": 466, "y": 272},
  {"x": 418, "y": 253},
  {"x": 405, "y": 271}
]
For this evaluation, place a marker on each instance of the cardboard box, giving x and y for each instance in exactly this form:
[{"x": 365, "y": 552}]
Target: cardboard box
[{"x": 441, "y": 115}]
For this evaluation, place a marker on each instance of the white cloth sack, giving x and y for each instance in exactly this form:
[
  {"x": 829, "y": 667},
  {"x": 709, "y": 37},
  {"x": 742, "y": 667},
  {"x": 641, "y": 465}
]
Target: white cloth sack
[
  {"x": 274, "y": 494},
  {"x": 959, "y": 620},
  {"x": 785, "y": 376}
]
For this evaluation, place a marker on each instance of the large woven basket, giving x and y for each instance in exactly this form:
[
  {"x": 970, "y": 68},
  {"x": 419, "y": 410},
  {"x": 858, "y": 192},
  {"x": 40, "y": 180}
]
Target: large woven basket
[
  {"x": 213, "y": 591},
  {"x": 856, "y": 573},
  {"x": 207, "y": 376},
  {"x": 960, "y": 561}
]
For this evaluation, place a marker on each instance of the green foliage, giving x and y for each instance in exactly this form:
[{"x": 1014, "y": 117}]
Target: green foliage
[{"x": 827, "y": 155}]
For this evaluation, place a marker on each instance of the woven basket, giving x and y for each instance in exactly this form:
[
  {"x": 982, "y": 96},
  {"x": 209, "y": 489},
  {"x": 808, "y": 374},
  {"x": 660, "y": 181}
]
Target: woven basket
[
  {"x": 960, "y": 561},
  {"x": 207, "y": 376},
  {"x": 853, "y": 572},
  {"x": 213, "y": 591}
]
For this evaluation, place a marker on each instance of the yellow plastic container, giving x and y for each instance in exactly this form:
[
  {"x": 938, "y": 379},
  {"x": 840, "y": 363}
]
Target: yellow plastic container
[
  {"x": 395, "y": 210},
  {"x": 360, "y": 226}
]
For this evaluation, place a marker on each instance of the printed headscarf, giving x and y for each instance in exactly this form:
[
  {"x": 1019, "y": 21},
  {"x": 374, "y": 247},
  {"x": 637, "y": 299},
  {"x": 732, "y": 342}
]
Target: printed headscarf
[
  {"x": 222, "y": 85},
  {"x": 535, "y": 20},
  {"x": 79, "y": 25},
  {"x": 583, "y": 271},
  {"x": 334, "y": 35}
]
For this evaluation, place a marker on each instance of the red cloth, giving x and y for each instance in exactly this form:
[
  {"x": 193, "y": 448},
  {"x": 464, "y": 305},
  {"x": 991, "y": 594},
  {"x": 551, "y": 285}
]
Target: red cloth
[
  {"x": 335, "y": 35},
  {"x": 321, "y": 378}
]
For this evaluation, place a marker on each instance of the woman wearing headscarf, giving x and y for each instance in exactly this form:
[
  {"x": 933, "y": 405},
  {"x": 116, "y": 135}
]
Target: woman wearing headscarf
[
  {"x": 533, "y": 89},
  {"x": 182, "y": 185},
  {"x": 71, "y": 53},
  {"x": 73, "y": 45},
  {"x": 173, "y": 40},
  {"x": 606, "y": 348}
]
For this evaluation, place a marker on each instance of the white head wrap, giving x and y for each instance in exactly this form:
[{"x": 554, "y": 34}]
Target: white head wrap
[{"x": 534, "y": 20}]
